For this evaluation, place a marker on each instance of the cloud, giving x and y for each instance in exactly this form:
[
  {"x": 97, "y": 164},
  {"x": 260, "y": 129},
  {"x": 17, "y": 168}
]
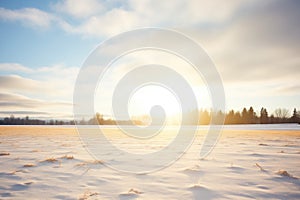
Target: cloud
[
  {"x": 58, "y": 80},
  {"x": 107, "y": 18},
  {"x": 15, "y": 82},
  {"x": 274, "y": 25},
  {"x": 288, "y": 89},
  {"x": 136, "y": 14},
  {"x": 21, "y": 101},
  {"x": 78, "y": 9},
  {"x": 179, "y": 14},
  {"x": 28, "y": 16},
  {"x": 21, "y": 105},
  {"x": 22, "y": 113},
  {"x": 14, "y": 67},
  {"x": 259, "y": 44},
  {"x": 46, "y": 89},
  {"x": 111, "y": 23},
  {"x": 35, "y": 18}
]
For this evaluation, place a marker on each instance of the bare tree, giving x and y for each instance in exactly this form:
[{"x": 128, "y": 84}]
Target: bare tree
[{"x": 281, "y": 113}]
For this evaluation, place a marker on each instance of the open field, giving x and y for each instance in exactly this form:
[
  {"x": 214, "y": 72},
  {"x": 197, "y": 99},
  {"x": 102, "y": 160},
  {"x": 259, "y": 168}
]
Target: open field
[{"x": 51, "y": 163}]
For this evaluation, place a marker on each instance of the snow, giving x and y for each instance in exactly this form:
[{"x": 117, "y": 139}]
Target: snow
[{"x": 41, "y": 162}]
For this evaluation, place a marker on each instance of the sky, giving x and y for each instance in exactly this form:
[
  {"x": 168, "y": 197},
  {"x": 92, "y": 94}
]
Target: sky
[{"x": 254, "y": 45}]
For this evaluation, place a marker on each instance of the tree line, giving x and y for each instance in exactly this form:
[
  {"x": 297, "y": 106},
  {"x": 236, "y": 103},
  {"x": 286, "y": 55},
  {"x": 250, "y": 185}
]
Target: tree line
[
  {"x": 12, "y": 120},
  {"x": 97, "y": 119},
  {"x": 246, "y": 116},
  {"x": 249, "y": 116}
]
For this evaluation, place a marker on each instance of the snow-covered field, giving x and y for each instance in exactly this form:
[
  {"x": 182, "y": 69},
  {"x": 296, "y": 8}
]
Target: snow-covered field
[{"x": 249, "y": 162}]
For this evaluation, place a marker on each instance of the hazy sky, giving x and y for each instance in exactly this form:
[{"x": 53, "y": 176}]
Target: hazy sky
[{"x": 255, "y": 45}]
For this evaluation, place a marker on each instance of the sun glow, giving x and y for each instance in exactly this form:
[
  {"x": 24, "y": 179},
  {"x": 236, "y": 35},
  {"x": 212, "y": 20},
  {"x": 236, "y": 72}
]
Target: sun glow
[
  {"x": 145, "y": 98},
  {"x": 148, "y": 95}
]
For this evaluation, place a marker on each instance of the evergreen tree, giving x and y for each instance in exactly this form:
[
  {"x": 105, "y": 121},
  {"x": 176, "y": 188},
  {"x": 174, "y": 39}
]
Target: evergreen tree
[
  {"x": 295, "y": 117},
  {"x": 245, "y": 116},
  {"x": 251, "y": 115},
  {"x": 264, "y": 119}
]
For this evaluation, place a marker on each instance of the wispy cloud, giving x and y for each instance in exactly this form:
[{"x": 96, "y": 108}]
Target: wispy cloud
[
  {"x": 57, "y": 81},
  {"x": 23, "y": 101},
  {"x": 15, "y": 82},
  {"x": 288, "y": 89},
  {"x": 14, "y": 67},
  {"x": 78, "y": 9},
  {"x": 107, "y": 18},
  {"x": 22, "y": 113},
  {"x": 46, "y": 89},
  {"x": 22, "y": 105},
  {"x": 28, "y": 16},
  {"x": 259, "y": 44}
]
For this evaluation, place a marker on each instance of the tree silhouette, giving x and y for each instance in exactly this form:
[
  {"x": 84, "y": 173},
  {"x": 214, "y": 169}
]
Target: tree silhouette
[
  {"x": 295, "y": 116},
  {"x": 230, "y": 118},
  {"x": 281, "y": 113},
  {"x": 238, "y": 118},
  {"x": 100, "y": 119},
  {"x": 251, "y": 116},
  {"x": 264, "y": 116},
  {"x": 204, "y": 117},
  {"x": 245, "y": 118}
]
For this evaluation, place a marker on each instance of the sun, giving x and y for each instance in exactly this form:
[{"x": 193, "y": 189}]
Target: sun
[{"x": 149, "y": 96}]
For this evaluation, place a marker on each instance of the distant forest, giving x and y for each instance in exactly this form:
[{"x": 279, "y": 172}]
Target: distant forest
[
  {"x": 97, "y": 119},
  {"x": 246, "y": 116}
]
